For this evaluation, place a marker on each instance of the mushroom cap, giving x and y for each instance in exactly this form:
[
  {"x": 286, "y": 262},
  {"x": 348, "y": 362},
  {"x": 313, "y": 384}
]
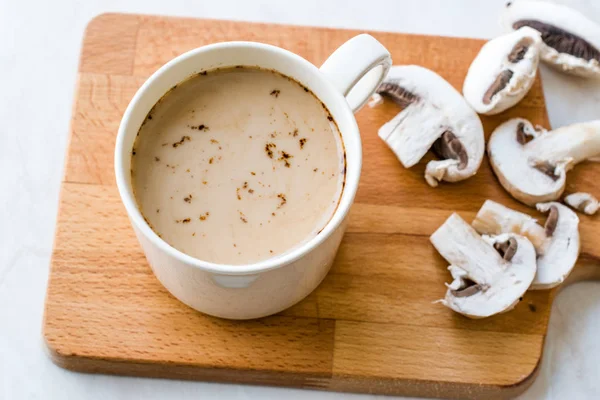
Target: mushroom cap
[
  {"x": 432, "y": 107},
  {"x": 497, "y": 57},
  {"x": 583, "y": 202},
  {"x": 511, "y": 163},
  {"x": 498, "y": 281},
  {"x": 560, "y": 251},
  {"x": 517, "y": 14},
  {"x": 556, "y": 244}
]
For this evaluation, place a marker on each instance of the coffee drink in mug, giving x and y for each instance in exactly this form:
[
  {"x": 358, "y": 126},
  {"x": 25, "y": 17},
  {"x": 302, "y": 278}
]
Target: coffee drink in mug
[{"x": 237, "y": 165}]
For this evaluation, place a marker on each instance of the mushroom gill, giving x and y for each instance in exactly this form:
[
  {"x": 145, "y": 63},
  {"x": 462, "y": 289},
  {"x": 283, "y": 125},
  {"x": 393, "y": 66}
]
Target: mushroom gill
[
  {"x": 547, "y": 168},
  {"x": 507, "y": 249},
  {"x": 448, "y": 146},
  {"x": 519, "y": 50},
  {"x": 500, "y": 83},
  {"x": 522, "y": 136},
  {"x": 397, "y": 93},
  {"x": 562, "y": 40},
  {"x": 551, "y": 221},
  {"x": 468, "y": 288}
]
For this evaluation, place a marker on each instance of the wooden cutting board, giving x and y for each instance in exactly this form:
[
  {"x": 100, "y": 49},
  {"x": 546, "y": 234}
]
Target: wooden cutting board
[{"x": 371, "y": 325}]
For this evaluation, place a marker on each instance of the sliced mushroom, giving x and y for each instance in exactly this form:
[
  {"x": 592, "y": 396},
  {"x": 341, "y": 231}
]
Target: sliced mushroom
[
  {"x": 494, "y": 218},
  {"x": 571, "y": 41},
  {"x": 556, "y": 243},
  {"x": 435, "y": 116},
  {"x": 503, "y": 71},
  {"x": 583, "y": 202},
  {"x": 490, "y": 273},
  {"x": 531, "y": 164}
]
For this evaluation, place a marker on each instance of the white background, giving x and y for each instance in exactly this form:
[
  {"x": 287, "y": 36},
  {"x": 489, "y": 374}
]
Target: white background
[{"x": 39, "y": 50}]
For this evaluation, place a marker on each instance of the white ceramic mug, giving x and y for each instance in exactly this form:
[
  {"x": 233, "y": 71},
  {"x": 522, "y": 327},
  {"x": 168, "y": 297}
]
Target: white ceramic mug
[{"x": 344, "y": 84}]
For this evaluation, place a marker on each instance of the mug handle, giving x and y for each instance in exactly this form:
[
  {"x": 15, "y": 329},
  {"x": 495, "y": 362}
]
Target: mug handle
[{"x": 357, "y": 68}]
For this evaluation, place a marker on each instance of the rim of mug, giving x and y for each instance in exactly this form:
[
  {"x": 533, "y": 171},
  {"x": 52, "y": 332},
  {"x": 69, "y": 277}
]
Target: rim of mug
[{"x": 346, "y": 199}]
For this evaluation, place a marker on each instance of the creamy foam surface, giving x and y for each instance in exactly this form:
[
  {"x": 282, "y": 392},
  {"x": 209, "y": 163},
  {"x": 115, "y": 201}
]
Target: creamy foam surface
[{"x": 238, "y": 165}]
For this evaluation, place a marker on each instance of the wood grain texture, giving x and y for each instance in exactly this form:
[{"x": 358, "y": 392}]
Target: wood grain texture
[{"x": 371, "y": 326}]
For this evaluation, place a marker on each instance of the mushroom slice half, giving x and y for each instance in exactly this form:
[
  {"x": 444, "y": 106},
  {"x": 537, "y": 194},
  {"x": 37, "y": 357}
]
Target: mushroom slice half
[
  {"x": 435, "y": 116},
  {"x": 503, "y": 71},
  {"x": 556, "y": 243},
  {"x": 490, "y": 273},
  {"x": 584, "y": 202},
  {"x": 531, "y": 164},
  {"x": 571, "y": 41}
]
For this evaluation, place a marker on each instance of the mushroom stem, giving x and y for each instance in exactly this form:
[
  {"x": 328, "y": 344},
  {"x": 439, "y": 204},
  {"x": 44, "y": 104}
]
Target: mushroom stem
[
  {"x": 583, "y": 202},
  {"x": 477, "y": 259},
  {"x": 493, "y": 218},
  {"x": 571, "y": 144}
]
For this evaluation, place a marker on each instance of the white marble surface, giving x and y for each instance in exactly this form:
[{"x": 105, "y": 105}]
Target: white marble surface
[{"x": 39, "y": 50}]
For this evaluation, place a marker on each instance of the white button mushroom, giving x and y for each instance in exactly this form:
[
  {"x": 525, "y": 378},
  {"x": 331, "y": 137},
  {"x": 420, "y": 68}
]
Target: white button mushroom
[
  {"x": 583, "y": 202},
  {"x": 503, "y": 71},
  {"x": 490, "y": 273},
  {"x": 571, "y": 41},
  {"x": 531, "y": 164},
  {"x": 435, "y": 116},
  {"x": 556, "y": 243}
]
